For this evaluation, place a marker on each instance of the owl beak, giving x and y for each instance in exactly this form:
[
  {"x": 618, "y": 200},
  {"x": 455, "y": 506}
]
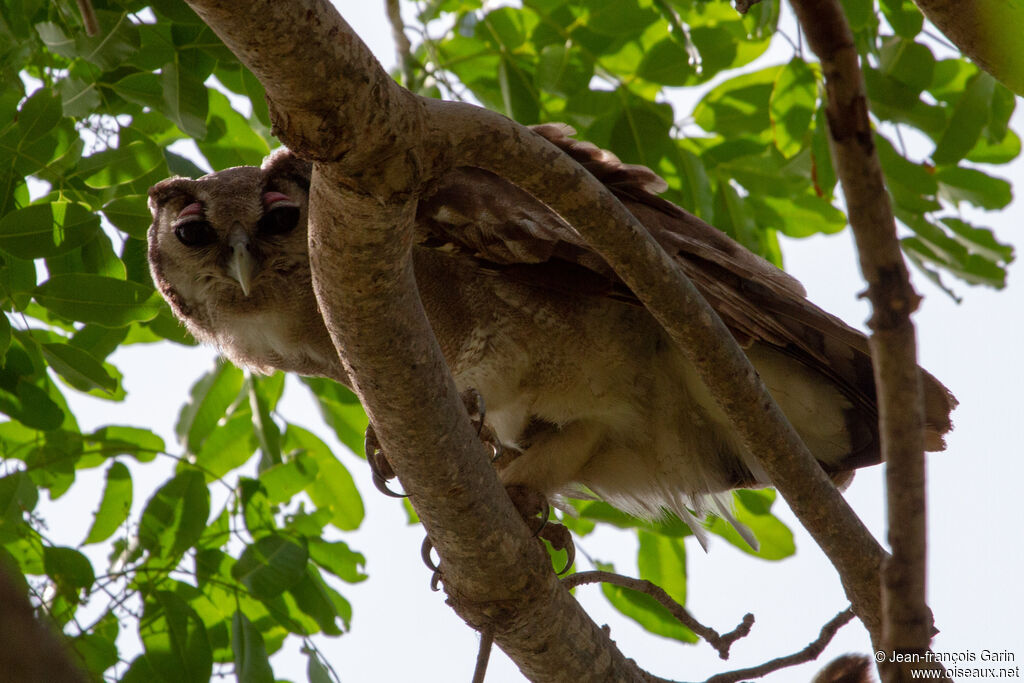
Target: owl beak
[{"x": 242, "y": 263}]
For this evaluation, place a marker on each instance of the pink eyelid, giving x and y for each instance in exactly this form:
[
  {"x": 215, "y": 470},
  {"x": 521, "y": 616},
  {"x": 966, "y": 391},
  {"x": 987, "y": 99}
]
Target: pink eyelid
[
  {"x": 193, "y": 209},
  {"x": 271, "y": 198}
]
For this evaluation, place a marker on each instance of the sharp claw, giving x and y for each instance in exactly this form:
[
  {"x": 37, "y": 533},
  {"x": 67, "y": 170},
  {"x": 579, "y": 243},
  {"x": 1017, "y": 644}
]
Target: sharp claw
[
  {"x": 425, "y": 549},
  {"x": 570, "y": 558},
  {"x": 372, "y": 449},
  {"x": 382, "y": 486},
  {"x": 434, "y": 580}
]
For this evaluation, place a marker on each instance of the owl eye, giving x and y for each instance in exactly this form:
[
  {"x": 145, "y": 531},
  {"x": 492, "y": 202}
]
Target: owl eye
[
  {"x": 195, "y": 233},
  {"x": 278, "y": 220}
]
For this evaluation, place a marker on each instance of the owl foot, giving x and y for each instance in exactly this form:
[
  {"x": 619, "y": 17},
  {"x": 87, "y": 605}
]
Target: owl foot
[
  {"x": 530, "y": 504},
  {"x": 380, "y": 468}
]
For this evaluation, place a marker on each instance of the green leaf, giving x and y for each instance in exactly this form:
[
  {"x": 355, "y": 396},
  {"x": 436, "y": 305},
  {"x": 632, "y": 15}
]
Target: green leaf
[
  {"x": 18, "y": 496},
  {"x": 562, "y": 71},
  {"x": 44, "y": 230},
  {"x": 284, "y": 480},
  {"x": 903, "y": 16},
  {"x": 31, "y": 406},
  {"x": 909, "y": 62},
  {"x": 979, "y": 240},
  {"x": 333, "y": 488},
  {"x": 800, "y": 216},
  {"x": 791, "y": 107},
  {"x": 174, "y": 518},
  {"x": 338, "y": 559},
  {"x": 141, "y": 444},
  {"x": 230, "y": 139},
  {"x": 69, "y": 569},
  {"x": 228, "y": 446},
  {"x": 263, "y": 397},
  {"x": 185, "y": 96},
  {"x": 98, "y": 299},
  {"x": 970, "y": 114},
  {"x": 316, "y": 672},
  {"x": 143, "y": 88},
  {"x": 209, "y": 399},
  {"x": 120, "y": 165},
  {"x": 662, "y": 561},
  {"x": 667, "y": 63},
  {"x": 251, "y": 662},
  {"x": 78, "y": 368},
  {"x": 739, "y": 106},
  {"x": 318, "y": 600},
  {"x": 5, "y": 334},
  {"x": 341, "y": 410},
  {"x": 39, "y": 115},
  {"x": 115, "y": 505},
  {"x": 271, "y": 565},
  {"x": 130, "y": 214},
  {"x": 176, "y": 642},
  {"x": 959, "y": 184},
  {"x": 753, "y": 510}
]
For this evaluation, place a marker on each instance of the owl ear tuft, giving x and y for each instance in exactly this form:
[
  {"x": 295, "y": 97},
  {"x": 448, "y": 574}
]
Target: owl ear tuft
[{"x": 284, "y": 162}]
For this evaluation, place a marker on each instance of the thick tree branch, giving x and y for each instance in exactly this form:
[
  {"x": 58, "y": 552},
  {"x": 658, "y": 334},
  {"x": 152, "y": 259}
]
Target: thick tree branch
[
  {"x": 987, "y": 31},
  {"x": 907, "y": 622},
  {"x": 31, "y": 652}
]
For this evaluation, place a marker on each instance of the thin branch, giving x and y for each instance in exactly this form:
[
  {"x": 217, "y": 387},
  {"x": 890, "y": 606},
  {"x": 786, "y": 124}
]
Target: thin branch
[
  {"x": 92, "y": 26},
  {"x": 403, "y": 47},
  {"x": 809, "y": 653},
  {"x": 907, "y": 619},
  {"x": 483, "y": 655},
  {"x": 721, "y": 643}
]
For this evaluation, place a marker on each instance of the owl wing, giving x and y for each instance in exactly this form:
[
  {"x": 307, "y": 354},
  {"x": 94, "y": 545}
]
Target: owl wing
[{"x": 513, "y": 234}]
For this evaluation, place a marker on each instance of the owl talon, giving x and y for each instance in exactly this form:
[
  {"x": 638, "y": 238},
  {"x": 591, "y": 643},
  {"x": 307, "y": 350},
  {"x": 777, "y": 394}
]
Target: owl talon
[
  {"x": 425, "y": 549},
  {"x": 380, "y": 468},
  {"x": 530, "y": 503}
]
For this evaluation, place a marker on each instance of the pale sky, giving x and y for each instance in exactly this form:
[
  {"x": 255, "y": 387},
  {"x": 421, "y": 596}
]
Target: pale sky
[{"x": 402, "y": 631}]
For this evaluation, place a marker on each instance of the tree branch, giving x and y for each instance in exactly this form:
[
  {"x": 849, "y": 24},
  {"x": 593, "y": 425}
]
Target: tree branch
[
  {"x": 30, "y": 651},
  {"x": 809, "y": 653},
  {"x": 907, "y": 619},
  {"x": 719, "y": 642},
  {"x": 987, "y": 31}
]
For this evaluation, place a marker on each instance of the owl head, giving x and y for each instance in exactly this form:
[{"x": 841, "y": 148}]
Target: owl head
[{"x": 228, "y": 251}]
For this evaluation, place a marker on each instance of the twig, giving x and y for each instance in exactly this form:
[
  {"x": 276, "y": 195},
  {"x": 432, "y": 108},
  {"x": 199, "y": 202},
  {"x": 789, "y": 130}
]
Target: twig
[
  {"x": 402, "y": 45},
  {"x": 92, "y": 26},
  {"x": 720, "y": 643},
  {"x": 807, "y": 654},
  {"x": 907, "y": 623},
  {"x": 483, "y": 655}
]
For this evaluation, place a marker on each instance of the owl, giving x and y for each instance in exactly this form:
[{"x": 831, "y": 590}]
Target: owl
[{"x": 580, "y": 382}]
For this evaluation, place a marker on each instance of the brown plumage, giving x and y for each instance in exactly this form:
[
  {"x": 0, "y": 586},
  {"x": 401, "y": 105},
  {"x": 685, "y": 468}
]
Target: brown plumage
[{"x": 575, "y": 373}]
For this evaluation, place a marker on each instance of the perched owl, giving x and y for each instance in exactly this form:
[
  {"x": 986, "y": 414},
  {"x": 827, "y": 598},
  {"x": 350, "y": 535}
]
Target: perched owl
[{"x": 578, "y": 379}]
